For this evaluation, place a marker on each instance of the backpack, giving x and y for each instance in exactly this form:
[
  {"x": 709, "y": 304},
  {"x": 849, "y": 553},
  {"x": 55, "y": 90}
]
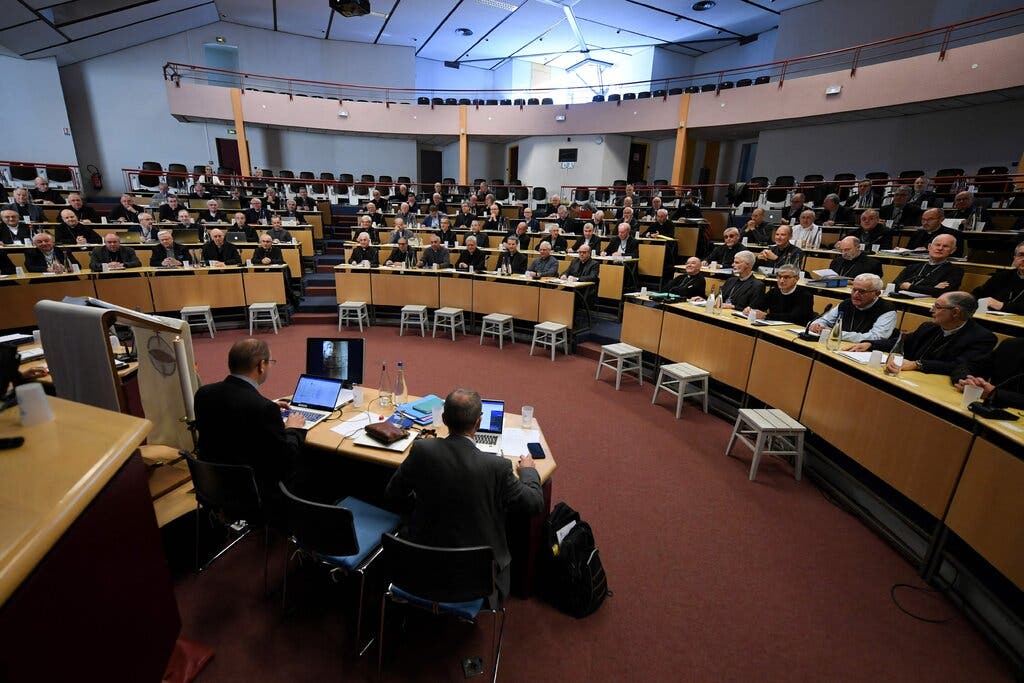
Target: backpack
[{"x": 573, "y": 576}]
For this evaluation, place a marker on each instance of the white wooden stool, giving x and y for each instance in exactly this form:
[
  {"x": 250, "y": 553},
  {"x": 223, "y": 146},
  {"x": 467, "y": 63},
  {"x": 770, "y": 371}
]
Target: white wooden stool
[
  {"x": 448, "y": 318},
  {"x": 353, "y": 310},
  {"x": 202, "y": 311},
  {"x": 550, "y": 334},
  {"x": 497, "y": 324},
  {"x": 773, "y": 433},
  {"x": 264, "y": 312},
  {"x": 411, "y": 315},
  {"x": 676, "y": 378},
  {"x": 622, "y": 358}
]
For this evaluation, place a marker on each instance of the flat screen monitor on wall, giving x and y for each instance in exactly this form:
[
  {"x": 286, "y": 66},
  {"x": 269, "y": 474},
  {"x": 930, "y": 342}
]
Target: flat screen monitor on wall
[{"x": 567, "y": 154}]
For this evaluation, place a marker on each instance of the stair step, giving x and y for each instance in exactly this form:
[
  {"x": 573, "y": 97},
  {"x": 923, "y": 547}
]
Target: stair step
[
  {"x": 340, "y": 251},
  {"x": 589, "y": 349},
  {"x": 319, "y": 280},
  {"x": 319, "y": 304},
  {"x": 315, "y": 318},
  {"x": 325, "y": 269},
  {"x": 320, "y": 291},
  {"x": 330, "y": 259}
]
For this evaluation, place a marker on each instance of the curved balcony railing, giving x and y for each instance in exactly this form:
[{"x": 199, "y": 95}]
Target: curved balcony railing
[{"x": 936, "y": 40}]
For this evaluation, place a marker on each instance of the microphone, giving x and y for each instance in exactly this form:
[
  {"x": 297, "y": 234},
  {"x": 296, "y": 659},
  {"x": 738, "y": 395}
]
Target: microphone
[
  {"x": 807, "y": 335},
  {"x": 986, "y": 409}
]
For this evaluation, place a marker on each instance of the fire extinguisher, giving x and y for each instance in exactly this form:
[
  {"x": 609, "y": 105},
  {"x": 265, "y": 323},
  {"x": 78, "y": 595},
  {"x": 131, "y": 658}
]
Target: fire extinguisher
[{"x": 95, "y": 177}]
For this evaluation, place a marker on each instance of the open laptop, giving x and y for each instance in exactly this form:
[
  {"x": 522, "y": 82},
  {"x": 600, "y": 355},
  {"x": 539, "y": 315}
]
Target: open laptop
[
  {"x": 236, "y": 236},
  {"x": 315, "y": 398},
  {"x": 492, "y": 423}
]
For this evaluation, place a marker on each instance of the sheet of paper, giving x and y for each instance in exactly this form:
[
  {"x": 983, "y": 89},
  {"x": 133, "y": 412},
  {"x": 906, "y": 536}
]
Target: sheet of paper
[
  {"x": 514, "y": 440},
  {"x": 15, "y": 337},
  {"x": 768, "y": 323},
  {"x": 858, "y": 356},
  {"x": 353, "y": 425},
  {"x": 564, "y": 531}
]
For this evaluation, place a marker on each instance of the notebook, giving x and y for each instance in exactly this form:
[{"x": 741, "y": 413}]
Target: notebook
[
  {"x": 492, "y": 423},
  {"x": 315, "y": 398},
  {"x": 236, "y": 236}
]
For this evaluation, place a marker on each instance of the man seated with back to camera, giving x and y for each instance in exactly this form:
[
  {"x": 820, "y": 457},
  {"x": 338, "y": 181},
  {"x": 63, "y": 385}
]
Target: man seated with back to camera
[
  {"x": 743, "y": 290},
  {"x": 853, "y": 260},
  {"x": 866, "y": 316},
  {"x": 786, "y": 301},
  {"x": 689, "y": 284},
  {"x": 219, "y": 252},
  {"x": 999, "y": 373},
  {"x": 783, "y": 252},
  {"x": 167, "y": 253},
  {"x": 1005, "y": 288},
  {"x": 952, "y": 339},
  {"x": 724, "y": 254},
  {"x": 471, "y": 256},
  {"x": 935, "y": 276},
  {"x": 872, "y": 232},
  {"x": 455, "y": 496}
]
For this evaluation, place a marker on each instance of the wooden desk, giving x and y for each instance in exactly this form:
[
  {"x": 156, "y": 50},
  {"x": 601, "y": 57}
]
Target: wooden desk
[
  {"x": 217, "y": 288},
  {"x": 19, "y": 295},
  {"x": 690, "y": 335}
]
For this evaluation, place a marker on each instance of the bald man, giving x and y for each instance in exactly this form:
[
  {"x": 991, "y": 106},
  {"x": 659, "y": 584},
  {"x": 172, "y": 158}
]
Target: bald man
[{"x": 935, "y": 276}]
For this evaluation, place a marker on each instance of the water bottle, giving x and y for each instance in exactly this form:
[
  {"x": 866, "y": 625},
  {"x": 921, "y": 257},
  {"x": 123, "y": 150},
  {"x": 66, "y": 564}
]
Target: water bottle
[
  {"x": 894, "y": 361},
  {"x": 709, "y": 303},
  {"x": 719, "y": 303},
  {"x": 835, "y": 336},
  {"x": 401, "y": 390},
  {"x": 385, "y": 397}
]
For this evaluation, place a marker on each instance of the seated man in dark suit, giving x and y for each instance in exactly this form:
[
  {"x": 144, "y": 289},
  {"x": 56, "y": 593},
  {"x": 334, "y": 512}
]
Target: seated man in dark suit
[
  {"x": 559, "y": 244},
  {"x": 797, "y": 205},
  {"x": 483, "y": 240},
  {"x": 238, "y": 426},
  {"x": 1000, "y": 374},
  {"x": 872, "y": 231},
  {"x": 471, "y": 256},
  {"x": 199, "y": 191},
  {"x": 783, "y": 252},
  {"x": 148, "y": 230},
  {"x": 512, "y": 258},
  {"x": 923, "y": 197},
  {"x": 589, "y": 238},
  {"x": 436, "y": 253},
  {"x": 551, "y": 210},
  {"x": 931, "y": 227},
  {"x": 935, "y": 276},
  {"x": 787, "y": 301},
  {"x": 13, "y": 230},
  {"x": 532, "y": 223},
  {"x": 460, "y": 497},
  {"x": 113, "y": 255},
  {"x": 853, "y": 260},
  {"x": 304, "y": 202},
  {"x": 1005, "y": 288},
  {"x": 45, "y": 258},
  {"x": 167, "y": 253},
  {"x": 865, "y": 197},
  {"x": 218, "y": 252},
  {"x": 465, "y": 216},
  {"x": 256, "y": 214},
  {"x": 42, "y": 193},
  {"x": 623, "y": 244},
  {"x": 363, "y": 252},
  {"x": 660, "y": 227},
  {"x": 690, "y": 283},
  {"x": 688, "y": 209},
  {"x": 126, "y": 211},
  {"x": 723, "y": 254},
  {"x": 521, "y": 235},
  {"x": 965, "y": 208},
  {"x": 951, "y": 340},
  {"x": 23, "y": 206},
  {"x": 743, "y": 290},
  {"x": 757, "y": 230},
  {"x": 7, "y": 266},
  {"x": 213, "y": 214},
  {"x": 401, "y": 254},
  {"x": 85, "y": 214},
  {"x": 833, "y": 212},
  {"x": 270, "y": 254},
  {"x": 447, "y": 235},
  {"x": 169, "y": 211},
  {"x": 583, "y": 267},
  {"x": 70, "y": 231},
  {"x": 901, "y": 212}
]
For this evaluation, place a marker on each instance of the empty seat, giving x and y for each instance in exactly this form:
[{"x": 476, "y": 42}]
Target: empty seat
[
  {"x": 436, "y": 101},
  {"x": 725, "y": 85},
  {"x": 614, "y": 97},
  {"x": 224, "y": 170},
  {"x": 944, "y": 179},
  {"x": 744, "y": 82},
  {"x": 198, "y": 169},
  {"x": 709, "y": 87},
  {"x": 645, "y": 95},
  {"x": 547, "y": 100},
  {"x": 477, "y": 181},
  {"x": 465, "y": 100},
  {"x": 582, "y": 194},
  {"x": 286, "y": 174},
  {"x": 692, "y": 89},
  {"x": 404, "y": 180},
  {"x": 629, "y": 96},
  {"x": 910, "y": 175},
  {"x": 540, "y": 193},
  {"x": 601, "y": 196},
  {"x": 506, "y": 103},
  {"x": 423, "y": 100},
  {"x": 533, "y": 100},
  {"x": 761, "y": 80},
  {"x": 675, "y": 91},
  {"x": 780, "y": 189},
  {"x": 367, "y": 178},
  {"x": 660, "y": 93},
  {"x": 307, "y": 175},
  {"x": 597, "y": 98},
  {"x": 346, "y": 178},
  {"x": 500, "y": 192},
  {"x": 58, "y": 174},
  {"x": 521, "y": 193},
  {"x": 519, "y": 102},
  {"x": 451, "y": 101},
  {"x": 179, "y": 179},
  {"x": 876, "y": 175},
  {"x": 478, "y": 102},
  {"x": 992, "y": 181},
  {"x": 492, "y": 102}
]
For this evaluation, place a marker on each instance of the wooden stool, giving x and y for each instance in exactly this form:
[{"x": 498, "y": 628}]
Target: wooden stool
[
  {"x": 448, "y": 318},
  {"x": 413, "y": 314},
  {"x": 776, "y": 434},
  {"x": 204, "y": 311},
  {"x": 353, "y": 310},
  {"x": 622, "y": 358},
  {"x": 266, "y": 312},
  {"x": 550, "y": 334},
  {"x": 675, "y": 378},
  {"x": 497, "y": 324}
]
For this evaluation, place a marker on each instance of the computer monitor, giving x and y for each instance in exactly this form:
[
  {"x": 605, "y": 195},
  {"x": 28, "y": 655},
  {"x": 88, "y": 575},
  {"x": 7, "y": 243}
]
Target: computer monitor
[{"x": 340, "y": 358}]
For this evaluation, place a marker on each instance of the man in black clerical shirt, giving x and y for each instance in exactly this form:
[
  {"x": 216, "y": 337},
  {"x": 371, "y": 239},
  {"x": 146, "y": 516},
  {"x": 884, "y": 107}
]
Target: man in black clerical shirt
[
  {"x": 1005, "y": 288},
  {"x": 169, "y": 211},
  {"x": 872, "y": 232},
  {"x": 218, "y": 252},
  {"x": 865, "y": 198},
  {"x": 521, "y": 235},
  {"x": 853, "y": 260},
  {"x": 42, "y": 192},
  {"x": 85, "y": 214},
  {"x": 688, "y": 209},
  {"x": 783, "y": 252},
  {"x": 23, "y": 206},
  {"x": 833, "y": 212},
  {"x": 402, "y": 254},
  {"x": 743, "y": 289},
  {"x": 1000, "y": 374},
  {"x": 13, "y": 230},
  {"x": 931, "y": 227},
  {"x": 113, "y": 255},
  {"x": 363, "y": 252},
  {"x": 923, "y": 197},
  {"x": 966, "y": 209},
  {"x": 70, "y": 231},
  {"x": 471, "y": 256},
  {"x": 757, "y": 230},
  {"x": 723, "y": 254},
  {"x": 213, "y": 214},
  {"x": 256, "y": 214},
  {"x": 786, "y": 301},
  {"x": 512, "y": 257},
  {"x": 45, "y": 258},
  {"x": 936, "y": 275},
  {"x": 126, "y": 211},
  {"x": 901, "y": 212},
  {"x": 690, "y": 283},
  {"x": 797, "y": 205},
  {"x": 465, "y": 216},
  {"x": 167, "y": 253},
  {"x": 660, "y": 227},
  {"x": 589, "y": 238},
  {"x": 623, "y": 244}
]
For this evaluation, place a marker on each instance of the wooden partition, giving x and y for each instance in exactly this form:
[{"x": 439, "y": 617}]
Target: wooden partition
[{"x": 721, "y": 351}]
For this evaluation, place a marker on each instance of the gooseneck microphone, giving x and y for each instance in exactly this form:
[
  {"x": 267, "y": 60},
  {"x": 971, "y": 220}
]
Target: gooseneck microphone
[
  {"x": 987, "y": 410},
  {"x": 807, "y": 335}
]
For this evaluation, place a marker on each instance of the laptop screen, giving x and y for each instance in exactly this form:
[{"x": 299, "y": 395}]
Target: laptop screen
[
  {"x": 316, "y": 392},
  {"x": 493, "y": 417}
]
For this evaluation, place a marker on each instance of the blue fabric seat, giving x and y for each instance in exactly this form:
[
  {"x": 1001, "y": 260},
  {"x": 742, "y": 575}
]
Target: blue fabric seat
[
  {"x": 370, "y": 522},
  {"x": 463, "y": 610}
]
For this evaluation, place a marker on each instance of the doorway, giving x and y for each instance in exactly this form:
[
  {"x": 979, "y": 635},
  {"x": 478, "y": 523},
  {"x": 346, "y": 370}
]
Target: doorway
[
  {"x": 227, "y": 154},
  {"x": 430, "y": 166},
  {"x": 513, "y": 163},
  {"x": 636, "y": 171}
]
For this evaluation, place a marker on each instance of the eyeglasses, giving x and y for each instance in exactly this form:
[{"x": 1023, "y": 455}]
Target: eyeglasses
[
  {"x": 937, "y": 307},
  {"x": 858, "y": 290}
]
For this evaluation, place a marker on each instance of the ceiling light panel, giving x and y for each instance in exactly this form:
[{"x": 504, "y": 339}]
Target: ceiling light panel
[{"x": 447, "y": 45}]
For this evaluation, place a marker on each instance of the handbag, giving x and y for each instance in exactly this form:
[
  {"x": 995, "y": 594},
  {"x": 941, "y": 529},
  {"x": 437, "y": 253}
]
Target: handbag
[{"x": 385, "y": 433}]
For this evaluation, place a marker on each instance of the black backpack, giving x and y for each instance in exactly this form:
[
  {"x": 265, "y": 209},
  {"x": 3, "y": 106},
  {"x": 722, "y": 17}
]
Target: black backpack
[{"x": 573, "y": 577}]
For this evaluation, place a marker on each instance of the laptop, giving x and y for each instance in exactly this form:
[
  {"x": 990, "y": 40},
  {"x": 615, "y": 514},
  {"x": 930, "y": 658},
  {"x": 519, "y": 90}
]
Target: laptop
[
  {"x": 236, "y": 236},
  {"x": 315, "y": 398},
  {"x": 492, "y": 422}
]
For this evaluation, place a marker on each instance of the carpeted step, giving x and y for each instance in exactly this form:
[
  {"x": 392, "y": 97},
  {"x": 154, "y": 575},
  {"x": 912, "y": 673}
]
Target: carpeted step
[
  {"x": 330, "y": 259},
  {"x": 315, "y": 318},
  {"x": 321, "y": 291},
  {"x": 318, "y": 280},
  {"x": 319, "y": 304},
  {"x": 589, "y": 349},
  {"x": 321, "y": 269}
]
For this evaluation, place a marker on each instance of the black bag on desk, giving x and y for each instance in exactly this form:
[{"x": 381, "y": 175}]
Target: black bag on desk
[{"x": 573, "y": 577}]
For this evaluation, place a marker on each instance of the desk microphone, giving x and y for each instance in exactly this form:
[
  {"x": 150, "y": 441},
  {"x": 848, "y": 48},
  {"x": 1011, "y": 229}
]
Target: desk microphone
[
  {"x": 986, "y": 409},
  {"x": 807, "y": 335}
]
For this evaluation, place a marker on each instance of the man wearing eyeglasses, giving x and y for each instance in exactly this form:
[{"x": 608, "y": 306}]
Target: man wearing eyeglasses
[
  {"x": 866, "y": 316},
  {"x": 268, "y": 444},
  {"x": 952, "y": 339},
  {"x": 852, "y": 259},
  {"x": 1005, "y": 288},
  {"x": 787, "y": 301}
]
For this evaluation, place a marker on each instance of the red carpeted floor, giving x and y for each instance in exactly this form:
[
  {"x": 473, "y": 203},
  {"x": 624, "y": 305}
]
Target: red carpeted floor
[{"x": 714, "y": 577}]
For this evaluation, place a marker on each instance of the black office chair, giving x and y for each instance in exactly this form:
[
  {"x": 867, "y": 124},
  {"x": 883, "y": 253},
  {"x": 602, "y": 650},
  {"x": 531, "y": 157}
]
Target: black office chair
[
  {"x": 533, "y": 100},
  {"x": 911, "y": 175},
  {"x": 403, "y": 180},
  {"x": 522, "y": 193},
  {"x": 450, "y": 102},
  {"x": 492, "y": 103},
  {"x": 478, "y": 102},
  {"x": 500, "y": 192},
  {"x": 59, "y": 174},
  {"x": 547, "y": 100},
  {"x": 744, "y": 83},
  {"x": 477, "y": 181},
  {"x": 228, "y": 493},
  {"x": 675, "y": 91},
  {"x": 422, "y": 100},
  {"x": 660, "y": 93},
  {"x": 582, "y": 194},
  {"x": 506, "y": 103},
  {"x": 454, "y": 582},
  {"x": 345, "y": 538},
  {"x": 540, "y": 193},
  {"x": 601, "y": 196},
  {"x": 465, "y": 100},
  {"x": 629, "y": 96},
  {"x": 597, "y": 98},
  {"x": 761, "y": 80},
  {"x": 27, "y": 173},
  {"x": 692, "y": 89},
  {"x": 614, "y": 97},
  {"x": 180, "y": 178},
  {"x": 519, "y": 102},
  {"x": 644, "y": 95},
  {"x": 725, "y": 85}
]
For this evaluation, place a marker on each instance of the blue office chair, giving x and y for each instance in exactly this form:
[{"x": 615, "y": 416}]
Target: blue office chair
[
  {"x": 344, "y": 538},
  {"x": 454, "y": 582}
]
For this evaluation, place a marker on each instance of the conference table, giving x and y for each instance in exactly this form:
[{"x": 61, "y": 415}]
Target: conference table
[
  {"x": 375, "y": 466},
  {"x": 907, "y": 439}
]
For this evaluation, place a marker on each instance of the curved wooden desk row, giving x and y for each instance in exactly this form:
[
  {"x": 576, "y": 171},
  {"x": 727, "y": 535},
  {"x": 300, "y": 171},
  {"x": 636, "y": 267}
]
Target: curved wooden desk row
[
  {"x": 150, "y": 290},
  {"x": 910, "y": 431},
  {"x": 532, "y": 300}
]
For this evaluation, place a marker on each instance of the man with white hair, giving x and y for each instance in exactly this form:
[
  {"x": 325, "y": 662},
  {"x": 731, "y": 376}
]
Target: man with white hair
[
  {"x": 806, "y": 233},
  {"x": 923, "y": 196},
  {"x": 399, "y": 232},
  {"x": 723, "y": 254},
  {"x": 363, "y": 251},
  {"x": 786, "y": 301},
  {"x": 42, "y": 192},
  {"x": 588, "y": 238},
  {"x": 113, "y": 255},
  {"x": 866, "y": 316},
  {"x": 85, "y": 213},
  {"x": 660, "y": 226},
  {"x": 13, "y": 230},
  {"x": 965, "y": 208},
  {"x": 558, "y": 242},
  {"x": 853, "y": 260},
  {"x": 471, "y": 256},
  {"x": 743, "y": 290},
  {"x": 45, "y": 258},
  {"x": 935, "y": 276},
  {"x": 403, "y": 213},
  {"x": 23, "y": 206},
  {"x": 623, "y": 244},
  {"x": 218, "y": 252},
  {"x": 544, "y": 265},
  {"x": 833, "y": 212},
  {"x": 167, "y": 253}
]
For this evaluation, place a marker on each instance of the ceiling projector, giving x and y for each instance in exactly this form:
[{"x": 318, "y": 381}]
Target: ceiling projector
[{"x": 351, "y": 8}]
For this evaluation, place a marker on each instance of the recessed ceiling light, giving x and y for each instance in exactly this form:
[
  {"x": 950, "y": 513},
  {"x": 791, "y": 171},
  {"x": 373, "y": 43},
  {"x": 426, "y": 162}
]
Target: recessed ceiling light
[
  {"x": 703, "y": 5},
  {"x": 463, "y": 31}
]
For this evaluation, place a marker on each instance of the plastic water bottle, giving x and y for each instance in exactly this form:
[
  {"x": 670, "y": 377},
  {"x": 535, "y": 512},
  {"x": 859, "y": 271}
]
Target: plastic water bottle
[
  {"x": 894, "y": 361},
  {"x": 384, "y": 392},
  {"x": 709, "y": 303},
  {"x": 835, "y": 337},
  {"x": 401, "y": 390}
]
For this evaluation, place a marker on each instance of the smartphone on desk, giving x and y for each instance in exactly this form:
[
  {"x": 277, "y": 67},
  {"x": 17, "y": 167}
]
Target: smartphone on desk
[{"x": 536, "y": 450}]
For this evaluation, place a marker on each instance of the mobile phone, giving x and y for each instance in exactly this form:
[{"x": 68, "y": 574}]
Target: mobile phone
[{"x": 536, "y": 450}]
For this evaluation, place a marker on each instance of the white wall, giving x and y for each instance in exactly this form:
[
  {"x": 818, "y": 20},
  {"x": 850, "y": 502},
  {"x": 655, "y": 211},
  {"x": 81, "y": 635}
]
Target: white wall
[
  {"x": 761, "y": 51},
  {"x": 486, "y": 160},
  {"x": 35, "y": 118},
  {"x": 985, "y": 135},
  {"x": 598, "y": 164},
  {"x": 662, "y": 153},
  {"x": 434, "y": 75},
  {"x": 668, "y": 64},
  {"x": 118, "y": 106}
]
